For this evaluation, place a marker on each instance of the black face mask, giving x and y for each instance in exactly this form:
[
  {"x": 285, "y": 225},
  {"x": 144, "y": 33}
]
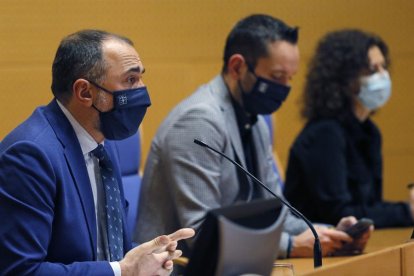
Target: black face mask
[
  {"x": 265, "y": 97},
  {"x": 129, "y": 109}
]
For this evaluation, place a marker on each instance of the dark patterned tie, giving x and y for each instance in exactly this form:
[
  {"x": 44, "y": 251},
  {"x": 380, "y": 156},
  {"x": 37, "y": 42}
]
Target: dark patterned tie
[{"x": 112, "y": 205}]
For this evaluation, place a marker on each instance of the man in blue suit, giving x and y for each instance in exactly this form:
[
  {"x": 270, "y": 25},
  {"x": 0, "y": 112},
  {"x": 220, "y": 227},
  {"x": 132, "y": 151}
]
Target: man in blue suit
[{"x": 55, "y": 202}]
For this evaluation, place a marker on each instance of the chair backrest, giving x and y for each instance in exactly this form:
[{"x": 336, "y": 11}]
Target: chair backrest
[
  {"x": 276, "y": 163},
  {"x": 230, "y": 234},
  {"x": 129, "y": 155},
  {"x": 269, "y": 122}
]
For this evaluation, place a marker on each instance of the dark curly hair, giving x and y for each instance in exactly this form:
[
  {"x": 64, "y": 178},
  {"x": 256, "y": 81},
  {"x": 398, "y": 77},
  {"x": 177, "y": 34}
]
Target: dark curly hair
[{"x": 333, "y": 75}]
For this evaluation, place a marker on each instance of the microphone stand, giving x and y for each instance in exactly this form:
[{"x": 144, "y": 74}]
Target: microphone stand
[{"x": 317, "y": 251}]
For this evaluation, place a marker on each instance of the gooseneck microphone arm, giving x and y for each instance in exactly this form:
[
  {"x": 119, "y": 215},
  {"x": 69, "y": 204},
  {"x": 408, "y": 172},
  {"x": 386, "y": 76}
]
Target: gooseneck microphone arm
[{"x": 317, "y": 252}]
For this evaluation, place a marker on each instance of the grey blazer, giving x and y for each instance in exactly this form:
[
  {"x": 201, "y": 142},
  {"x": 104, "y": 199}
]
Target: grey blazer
[{"x": 183, "y": 180}]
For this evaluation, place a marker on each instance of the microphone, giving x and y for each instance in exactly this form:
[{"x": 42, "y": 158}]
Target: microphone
[{"x": 317, "y": 252}]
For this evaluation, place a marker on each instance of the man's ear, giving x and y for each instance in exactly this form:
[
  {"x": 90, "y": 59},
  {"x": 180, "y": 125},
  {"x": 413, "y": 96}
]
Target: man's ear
[
  {"x": 82, "y": 92},
  {"x": 236, "y": 66}
]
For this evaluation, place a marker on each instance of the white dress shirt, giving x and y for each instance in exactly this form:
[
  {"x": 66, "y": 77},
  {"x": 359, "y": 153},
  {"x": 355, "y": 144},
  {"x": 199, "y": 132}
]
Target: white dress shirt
[{"x": 88, "y": 144}]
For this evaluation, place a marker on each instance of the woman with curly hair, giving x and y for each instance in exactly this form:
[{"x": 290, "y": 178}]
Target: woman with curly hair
[{"x": 335, "y": 164}]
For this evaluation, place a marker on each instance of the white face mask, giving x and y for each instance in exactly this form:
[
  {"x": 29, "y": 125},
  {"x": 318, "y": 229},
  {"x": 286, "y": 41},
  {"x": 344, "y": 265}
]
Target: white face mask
[{"x": 375, "y": 90}]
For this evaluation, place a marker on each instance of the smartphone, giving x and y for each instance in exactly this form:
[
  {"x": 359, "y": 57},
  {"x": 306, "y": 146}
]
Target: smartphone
[{"x": 359, "y": 228}]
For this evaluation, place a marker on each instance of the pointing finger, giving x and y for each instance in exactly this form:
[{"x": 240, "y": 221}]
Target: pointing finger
[{"x": 181, "y": 234}]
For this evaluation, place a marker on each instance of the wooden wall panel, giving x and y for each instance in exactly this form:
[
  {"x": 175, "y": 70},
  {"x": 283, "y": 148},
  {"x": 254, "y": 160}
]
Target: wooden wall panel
[{"x": 181, "y": 43}]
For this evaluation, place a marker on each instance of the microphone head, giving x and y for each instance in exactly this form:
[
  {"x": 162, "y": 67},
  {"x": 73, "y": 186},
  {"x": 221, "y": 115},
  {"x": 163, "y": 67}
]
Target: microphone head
[{"x": 198, "y": 142}]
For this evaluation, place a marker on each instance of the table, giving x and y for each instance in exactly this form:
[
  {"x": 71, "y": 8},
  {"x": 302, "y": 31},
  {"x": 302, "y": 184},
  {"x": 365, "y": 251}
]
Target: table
[{"x": 380, "y": 240}]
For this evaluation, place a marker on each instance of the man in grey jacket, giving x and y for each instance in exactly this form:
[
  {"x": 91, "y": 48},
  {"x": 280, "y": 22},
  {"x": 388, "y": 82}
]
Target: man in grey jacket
[{"x": 260, "y": 58}]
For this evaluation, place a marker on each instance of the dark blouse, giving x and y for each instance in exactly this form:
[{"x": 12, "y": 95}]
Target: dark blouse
[{"x": 335, "y": 170}]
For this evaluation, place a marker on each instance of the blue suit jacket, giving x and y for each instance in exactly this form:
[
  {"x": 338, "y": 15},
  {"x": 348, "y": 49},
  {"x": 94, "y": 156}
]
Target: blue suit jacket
[{"x": 48, "y": 222}]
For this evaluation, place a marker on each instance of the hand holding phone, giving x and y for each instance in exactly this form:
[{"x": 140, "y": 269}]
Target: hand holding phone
[
  {"x": 356, "y": 231},
  {"x": 359, "y": 228}
]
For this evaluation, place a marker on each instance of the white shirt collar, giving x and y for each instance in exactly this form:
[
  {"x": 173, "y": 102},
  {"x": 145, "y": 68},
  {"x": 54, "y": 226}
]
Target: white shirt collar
[{"x": 86, "y": 141}]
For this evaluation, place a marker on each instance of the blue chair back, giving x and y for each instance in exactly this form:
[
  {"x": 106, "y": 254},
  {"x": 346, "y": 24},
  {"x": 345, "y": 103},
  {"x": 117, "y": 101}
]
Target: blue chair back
[
  {"x": 269, "y": 122},
  {"x": 129, "y": 155}
]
